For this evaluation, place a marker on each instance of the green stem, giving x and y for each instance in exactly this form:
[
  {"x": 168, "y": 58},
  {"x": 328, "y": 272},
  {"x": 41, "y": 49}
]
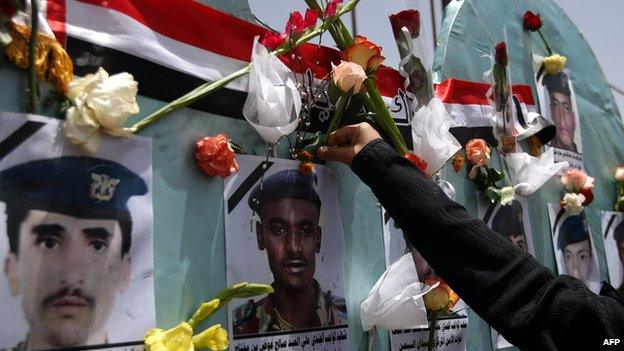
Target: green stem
[
  {"x": 374, "y": 101},
  {"x": 382, "y": 116},
  {"x": 336, "y": 121},
  {"x": 550, "y": 52},
  {"x": 192, "y": 96},
  {"x": 32, "y": 48},
  {"x": 432, "y": 329}
]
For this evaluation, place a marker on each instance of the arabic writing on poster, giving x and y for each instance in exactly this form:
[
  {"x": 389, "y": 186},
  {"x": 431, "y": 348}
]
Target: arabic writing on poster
[
  {"x": 450, "y": 336},
  {"x": 322, "y": 340}
]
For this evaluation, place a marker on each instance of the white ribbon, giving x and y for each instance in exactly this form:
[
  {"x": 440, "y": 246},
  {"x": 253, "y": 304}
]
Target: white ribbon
[
  {"x": 530, "y": 173},
  {"x": 273, "y": 101}
]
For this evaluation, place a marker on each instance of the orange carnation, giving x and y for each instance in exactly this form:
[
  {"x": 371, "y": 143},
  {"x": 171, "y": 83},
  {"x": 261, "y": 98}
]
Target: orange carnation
[
  {"x": 458, "y": 162},
  {"x": 215, "y": 156}
]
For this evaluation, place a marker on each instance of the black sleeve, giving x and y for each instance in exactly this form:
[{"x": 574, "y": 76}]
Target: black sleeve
[{"x": 523, "y": 300}]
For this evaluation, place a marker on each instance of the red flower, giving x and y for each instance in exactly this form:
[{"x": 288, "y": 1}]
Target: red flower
[
  {"x": 331, "y": 8},
  {"x": 272, "y": 40},
  {"x": 501, "y": 53},
  {"x": 417, "y": 161},
  {"x": 406, "y": 18},
  {"x": 215, "y": 156},
  {"x": 310, "y": 19},
  {"x": 295, "y": 24},
  {"x": 306, "y": 168},
  {"x": 532, "y": 21},
  {"x": 589, "y": 196}
]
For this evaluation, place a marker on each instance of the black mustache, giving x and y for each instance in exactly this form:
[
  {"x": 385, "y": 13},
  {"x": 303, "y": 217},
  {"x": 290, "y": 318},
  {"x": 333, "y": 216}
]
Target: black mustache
[{"x": 66, "y": 292}]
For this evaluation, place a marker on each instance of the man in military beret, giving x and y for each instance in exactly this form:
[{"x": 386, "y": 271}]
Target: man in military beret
[
  {"x": 575, "y": 244},
  {"x": 618, "y": 236},
  {"x": 288, "y": 205},
  {"x": 561, "y": 110},
  {"x": 508, "y": 222},
  {"x": 69, "y": 231}
]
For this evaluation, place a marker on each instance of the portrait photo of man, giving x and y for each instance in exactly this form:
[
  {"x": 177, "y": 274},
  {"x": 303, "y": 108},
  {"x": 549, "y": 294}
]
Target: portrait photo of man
[
  {"x": 287, "y": 206},
  {"x": 613, "y": 239},
  {"x": 562, "y": 110},
  {"x": 509, "y": 222},
  {"x": 69, "y": 232},
  {"x": 574, "y": 242},
  {"x": 573, "y": 246}
]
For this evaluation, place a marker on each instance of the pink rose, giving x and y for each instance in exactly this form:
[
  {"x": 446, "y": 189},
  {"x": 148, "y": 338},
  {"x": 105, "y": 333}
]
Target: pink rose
[
  {"x": 348, "y": 75},
  {"x": 478, "y": 152},
  {"x": 575, "y": 180},
  {"x": 215, "y": 156}
]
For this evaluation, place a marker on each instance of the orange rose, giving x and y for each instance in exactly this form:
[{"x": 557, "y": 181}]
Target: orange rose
[
  {"x": 509, "y": 144},
  {"x": 441, "y": 298},
  {"x": 364, "y": 53},
  {"x": 478, "y": 152},
  {"x": 215, "y": 156}
]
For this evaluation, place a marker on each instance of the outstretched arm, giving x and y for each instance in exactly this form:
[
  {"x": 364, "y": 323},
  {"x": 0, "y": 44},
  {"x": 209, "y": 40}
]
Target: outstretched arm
[{"x": 523, "y": 300}]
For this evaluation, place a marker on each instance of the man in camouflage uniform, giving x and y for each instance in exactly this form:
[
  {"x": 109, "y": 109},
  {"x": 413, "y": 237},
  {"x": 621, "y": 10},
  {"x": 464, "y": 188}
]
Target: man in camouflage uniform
[{"x": 289, "y": 207}]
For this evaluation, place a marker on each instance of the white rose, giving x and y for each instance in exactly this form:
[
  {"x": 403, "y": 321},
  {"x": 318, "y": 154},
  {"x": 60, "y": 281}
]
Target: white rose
[
  {"x": 507, "y": 195},
  {"x": 573, "y": 203},
  {"x": 100, "y": 102}
]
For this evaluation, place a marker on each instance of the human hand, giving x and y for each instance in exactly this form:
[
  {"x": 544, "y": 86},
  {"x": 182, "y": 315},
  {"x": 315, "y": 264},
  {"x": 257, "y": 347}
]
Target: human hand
[{"x": 346, "y": 142}]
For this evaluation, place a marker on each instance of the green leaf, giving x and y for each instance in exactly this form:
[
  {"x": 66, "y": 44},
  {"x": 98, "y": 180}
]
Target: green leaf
[
  {"x": 493, "y": 194},
  {"x": 308, "y": 143},
  {"x": 494, "y": 176},
  {"x": 333, "y": 92}
]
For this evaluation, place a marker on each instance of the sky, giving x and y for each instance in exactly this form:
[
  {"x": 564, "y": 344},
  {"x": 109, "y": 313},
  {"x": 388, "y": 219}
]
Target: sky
[{"x": 596, "y": 20}]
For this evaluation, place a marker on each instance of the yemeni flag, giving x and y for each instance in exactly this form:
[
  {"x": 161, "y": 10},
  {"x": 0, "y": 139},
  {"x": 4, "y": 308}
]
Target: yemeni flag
[{"x": 171, "y": 47}]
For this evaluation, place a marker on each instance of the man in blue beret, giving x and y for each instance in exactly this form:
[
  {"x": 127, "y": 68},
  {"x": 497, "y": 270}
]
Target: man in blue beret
[
  {"x": 288, "y": 205},
  {"x": 618, "y": 236},
  {"x": 69, "y": 231},
  {"x": 575, "y": 244},
  {"x": 561, "y": 109},
  {"x": 508, "y": 222}
]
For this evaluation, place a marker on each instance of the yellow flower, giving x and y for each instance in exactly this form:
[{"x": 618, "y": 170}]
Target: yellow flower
[
  {"x": 214, "y": 338},
  {"x": 554, "y": 64},
  {"x": 175, "y": 339},
  {"x": 441, "y": 298},
  {"x": 205, "y": 310}
]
